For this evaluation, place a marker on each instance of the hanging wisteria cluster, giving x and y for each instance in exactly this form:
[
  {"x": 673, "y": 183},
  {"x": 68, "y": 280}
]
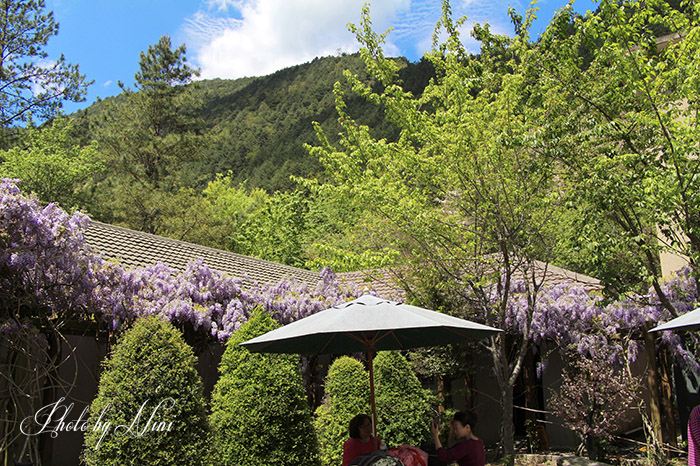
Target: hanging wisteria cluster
[
  {"x": 48, "y": 272},
  {"x": 212, "y": 302},
  {"x": 682, "y": 291},
  {"x": 43, "y": 264},
  {"x": 568, "y": 316}
]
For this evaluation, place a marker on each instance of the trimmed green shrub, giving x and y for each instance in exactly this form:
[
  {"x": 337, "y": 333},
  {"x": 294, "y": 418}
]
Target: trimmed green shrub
[
  {"x": 403, "y": 405},
  {"x": 149, "y": 407},
  {"x": 260, "y": 415},
  {"x": 347, "y": 394}
]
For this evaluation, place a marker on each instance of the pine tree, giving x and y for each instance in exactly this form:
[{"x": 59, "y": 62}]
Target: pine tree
[
  {"x": 25, "y": 30},
  {"x": 148, "y": 140}
]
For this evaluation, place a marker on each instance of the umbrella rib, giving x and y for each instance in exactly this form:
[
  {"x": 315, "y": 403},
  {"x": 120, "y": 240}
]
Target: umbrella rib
[
  {"x": 372, "y": 342},
  {"x": 390, "y": 332},
  {"x": 461, "y": 334},
  {"x": 328, "y": 342},
  {"x": 365, "y": 341}
]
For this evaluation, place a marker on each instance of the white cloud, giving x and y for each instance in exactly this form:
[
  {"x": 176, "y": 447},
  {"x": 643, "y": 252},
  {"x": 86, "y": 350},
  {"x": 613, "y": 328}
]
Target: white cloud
[
  {"x": 222, "y": 5},
  {"x": 236, "y": 38},
  {"x": 107, "y": 83},
  {"x": 263, "y": 36}
]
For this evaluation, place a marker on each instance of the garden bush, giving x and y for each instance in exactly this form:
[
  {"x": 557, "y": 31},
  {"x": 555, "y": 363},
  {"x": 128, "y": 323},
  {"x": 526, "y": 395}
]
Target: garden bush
[
  {"x": 260, "y": 415},
  {"x": 346, "y": 395},
  {"x": 149, "y": 407},
  {"x": 403, "y": 405}
]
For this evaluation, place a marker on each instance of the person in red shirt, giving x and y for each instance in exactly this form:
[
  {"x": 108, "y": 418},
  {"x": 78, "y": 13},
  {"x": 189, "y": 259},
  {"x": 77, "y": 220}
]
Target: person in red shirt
[
  {"x": 361, "y": 440},
  {"x": 465, "y": 447}
]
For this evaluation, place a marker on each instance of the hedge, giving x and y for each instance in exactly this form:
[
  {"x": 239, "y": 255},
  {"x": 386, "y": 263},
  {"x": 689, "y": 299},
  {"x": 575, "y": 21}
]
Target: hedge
[
  {"x": 260, "y": 414},
  {"x": 347, "y": 394},
  {"x": 149, "y": 407}
]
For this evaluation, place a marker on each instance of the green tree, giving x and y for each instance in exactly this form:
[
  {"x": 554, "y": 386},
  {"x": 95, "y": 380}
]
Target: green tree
[
  {"x": 623, "y": 105},
  {"x": 226, "y": 207},
  {"x": 259, "y": 411},
  {"x": 593, "y": 243},
  {"x": 28, "y": 87},
  {"x": 52, "y": 164},
  {"x": 278, "y": 231},
  {"x": 464, "y": 191},
  {"x": 149, "y": 140},
  {"x": 346, "y": 395},
  {"x": 403, "y": 405},
  {"x": 300, "y": 228},
  {"x": 339, "y": 234},
  {"x": 250, "y": 221},
  {"x": 150, "y": 388}
]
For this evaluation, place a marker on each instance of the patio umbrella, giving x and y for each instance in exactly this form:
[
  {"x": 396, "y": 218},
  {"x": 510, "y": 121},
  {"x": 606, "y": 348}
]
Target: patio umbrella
[
  {"x": 368, "y": 324},
  {"x": 688, "y": 321}
]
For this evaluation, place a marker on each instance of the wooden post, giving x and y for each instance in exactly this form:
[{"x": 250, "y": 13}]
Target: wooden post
[
  {"x": 370, "y": 360},
  {"x": 653, "y": 382}
]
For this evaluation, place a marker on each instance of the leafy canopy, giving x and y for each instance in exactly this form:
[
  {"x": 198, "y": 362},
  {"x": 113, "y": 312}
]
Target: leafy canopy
[{"x": 53, "y": 165}]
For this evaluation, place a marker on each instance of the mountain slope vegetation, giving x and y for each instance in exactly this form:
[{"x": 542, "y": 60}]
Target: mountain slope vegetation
[{"x": 257, "y": 127}]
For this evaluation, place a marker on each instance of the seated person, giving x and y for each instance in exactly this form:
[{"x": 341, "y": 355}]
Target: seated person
[
  {"x": 465, "y": 447},
  {"x": 361, "y": 440}
]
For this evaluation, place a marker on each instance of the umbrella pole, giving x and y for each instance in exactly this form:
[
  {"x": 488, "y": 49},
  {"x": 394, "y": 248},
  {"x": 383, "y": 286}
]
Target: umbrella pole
[{"x": 370, "y": 359}]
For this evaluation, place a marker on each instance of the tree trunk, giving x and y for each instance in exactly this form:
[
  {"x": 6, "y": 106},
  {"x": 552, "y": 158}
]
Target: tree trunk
[
  {"x": 469, "y": 391},
  {"x": 530, "y": 382},
  {"x": 592, "y": 448},
  {"x": 653, "y": 382},
  {"x": 507, "y": 428},
  {"x": 505, "y": 386},
  {"x": 441, "y": 394}
]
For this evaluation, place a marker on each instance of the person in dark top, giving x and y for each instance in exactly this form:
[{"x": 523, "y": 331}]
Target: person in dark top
[
  {"x": 464, "y": 447},
  {"x": 361, "y": 440}
]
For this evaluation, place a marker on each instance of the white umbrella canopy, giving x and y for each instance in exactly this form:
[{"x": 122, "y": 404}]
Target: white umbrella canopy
[
  {"x": 368, "y": 324},
  {"x": 689, "y": 321}
]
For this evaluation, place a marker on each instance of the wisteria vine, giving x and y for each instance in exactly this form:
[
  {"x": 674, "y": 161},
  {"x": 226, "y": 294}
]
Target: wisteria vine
[{"x": 47, "y": 271}]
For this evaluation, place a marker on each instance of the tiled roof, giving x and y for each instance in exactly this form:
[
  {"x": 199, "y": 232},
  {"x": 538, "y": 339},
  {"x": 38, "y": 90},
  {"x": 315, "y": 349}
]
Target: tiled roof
[
  {"x": 137, "y": 249},
  {"x": 557, "y": 276},
  {"x": 381, "y": 281},
  {"x": 385, "y": 282}
]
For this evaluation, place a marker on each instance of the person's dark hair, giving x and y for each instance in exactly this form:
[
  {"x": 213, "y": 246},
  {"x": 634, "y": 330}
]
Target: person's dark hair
[
  {"x": 466, "y": 419},
  {"x": 355, "y": 424}
]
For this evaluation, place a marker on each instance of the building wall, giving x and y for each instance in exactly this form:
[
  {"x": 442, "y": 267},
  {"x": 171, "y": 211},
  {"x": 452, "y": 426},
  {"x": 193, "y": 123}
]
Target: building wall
[
  {"x": 81, "y": 372},
  {"x": 487, "y": 405}
]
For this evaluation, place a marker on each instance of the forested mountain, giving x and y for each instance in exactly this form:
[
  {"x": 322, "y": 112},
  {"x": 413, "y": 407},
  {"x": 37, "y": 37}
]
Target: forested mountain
[{"x": 257, "y": 127}]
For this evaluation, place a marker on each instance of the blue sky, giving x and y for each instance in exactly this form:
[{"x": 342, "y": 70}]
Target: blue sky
[{"x": 235, "y": 38}]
